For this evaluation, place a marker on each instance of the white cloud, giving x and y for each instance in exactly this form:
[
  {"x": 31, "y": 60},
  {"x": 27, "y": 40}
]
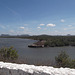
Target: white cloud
[
  {"x": 51, "y": 25},
  {"x": 42, "y": 24},
  {"x": 65, "y": 28},
  {"x": 24, "y": 30},
  {"x": 22, "y": 27},
  {"x": 39, "y": 27},
  {"x": 62, "y": 20},
  {"x": 70, "y": 25}
]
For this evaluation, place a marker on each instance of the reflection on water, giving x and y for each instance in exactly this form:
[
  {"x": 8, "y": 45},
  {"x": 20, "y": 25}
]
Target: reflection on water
[{"x": 35, "y": 54}]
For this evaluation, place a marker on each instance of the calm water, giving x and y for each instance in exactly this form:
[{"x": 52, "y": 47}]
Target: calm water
[{"x": 35, "y": 54}]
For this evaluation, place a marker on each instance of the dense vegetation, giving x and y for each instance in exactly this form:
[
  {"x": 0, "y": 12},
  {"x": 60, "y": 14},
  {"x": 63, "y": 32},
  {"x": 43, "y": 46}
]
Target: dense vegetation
[
  {"x": 8, "y": 54},
  {"x": 56, "y": 41},
  {"x": 63, "y": 60}
]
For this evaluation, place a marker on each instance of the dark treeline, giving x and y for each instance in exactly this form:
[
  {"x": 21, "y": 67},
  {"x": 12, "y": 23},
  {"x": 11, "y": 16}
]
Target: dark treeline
[
  {"x": 51, "y": 41},
  {"x": 55, "y": 41}
]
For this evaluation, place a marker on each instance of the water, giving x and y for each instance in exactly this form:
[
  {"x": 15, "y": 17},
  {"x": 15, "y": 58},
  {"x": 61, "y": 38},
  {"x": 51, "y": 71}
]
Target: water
[{"x": 35, "y": 54}]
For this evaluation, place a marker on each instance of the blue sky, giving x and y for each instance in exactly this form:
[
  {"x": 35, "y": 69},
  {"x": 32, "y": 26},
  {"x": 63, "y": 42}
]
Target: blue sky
[{"x": 35, "y": 17}]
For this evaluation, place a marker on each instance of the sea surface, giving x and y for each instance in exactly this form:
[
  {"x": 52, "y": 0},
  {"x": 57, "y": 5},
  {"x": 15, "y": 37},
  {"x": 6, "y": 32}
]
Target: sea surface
[{"x": 35, "y": 55}]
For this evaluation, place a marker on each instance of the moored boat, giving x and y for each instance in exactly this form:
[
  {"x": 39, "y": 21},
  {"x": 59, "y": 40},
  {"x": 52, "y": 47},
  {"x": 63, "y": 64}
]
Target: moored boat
[{"x": 35, "y": 46}]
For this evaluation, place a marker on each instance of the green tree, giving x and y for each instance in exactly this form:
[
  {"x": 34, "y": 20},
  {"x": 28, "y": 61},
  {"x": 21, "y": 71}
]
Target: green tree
[
  {"x": 63, "y": 60},
  {"x": 72, "y": 64},
  {"x": 8, "y": 53}
]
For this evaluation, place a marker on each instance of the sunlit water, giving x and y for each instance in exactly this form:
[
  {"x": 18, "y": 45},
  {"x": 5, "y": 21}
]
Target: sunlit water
[{"x": 35, "y": 54}]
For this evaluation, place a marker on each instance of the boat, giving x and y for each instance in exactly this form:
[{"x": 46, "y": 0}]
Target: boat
[
  {"x": 39, "y": 44},
  {"x": 35, "y": 46}
]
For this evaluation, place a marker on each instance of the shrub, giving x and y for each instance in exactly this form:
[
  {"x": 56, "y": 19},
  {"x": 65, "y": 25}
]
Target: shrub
[
  {"x": 72, "y": 64},
  {"x": 63, "y": 60},
  {"x": 8, "y": 53}
]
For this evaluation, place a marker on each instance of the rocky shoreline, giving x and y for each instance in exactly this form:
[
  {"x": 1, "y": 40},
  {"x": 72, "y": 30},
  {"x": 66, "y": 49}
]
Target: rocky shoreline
[{"x": 24, "y": 69}]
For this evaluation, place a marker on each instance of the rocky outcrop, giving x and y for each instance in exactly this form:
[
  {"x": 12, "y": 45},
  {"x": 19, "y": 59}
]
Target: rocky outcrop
[{"x": 24, "y": 69}]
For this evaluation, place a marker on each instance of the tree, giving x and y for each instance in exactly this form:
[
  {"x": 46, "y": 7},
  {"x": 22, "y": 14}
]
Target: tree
[
  {"x": 63, "y": 60},
  {"x": 8, "y": 53}
]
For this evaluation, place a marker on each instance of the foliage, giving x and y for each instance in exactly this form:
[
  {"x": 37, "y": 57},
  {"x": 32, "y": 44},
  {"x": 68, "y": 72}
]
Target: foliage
[
  {"x": 72, "y": 64},
  {"x": 55, "y": 41},
  {"x": 63, "y": 60},
  {"x": 8, "y": 53}
]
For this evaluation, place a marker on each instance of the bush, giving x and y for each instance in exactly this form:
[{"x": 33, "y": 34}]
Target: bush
[
  {"x": 62, "y": 60},
  {"x": 72, "y": 64},
  {"x": 8, "y": 54}
]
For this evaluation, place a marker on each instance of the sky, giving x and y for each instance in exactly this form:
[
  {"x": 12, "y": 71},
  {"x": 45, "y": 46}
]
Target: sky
[{"x": 36, "y": 17}]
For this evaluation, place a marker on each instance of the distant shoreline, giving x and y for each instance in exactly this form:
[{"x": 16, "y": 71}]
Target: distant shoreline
[{"x": 51, "y": 41}]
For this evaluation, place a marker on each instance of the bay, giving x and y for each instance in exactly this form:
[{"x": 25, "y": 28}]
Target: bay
[{"x": 35, "y": 54}]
